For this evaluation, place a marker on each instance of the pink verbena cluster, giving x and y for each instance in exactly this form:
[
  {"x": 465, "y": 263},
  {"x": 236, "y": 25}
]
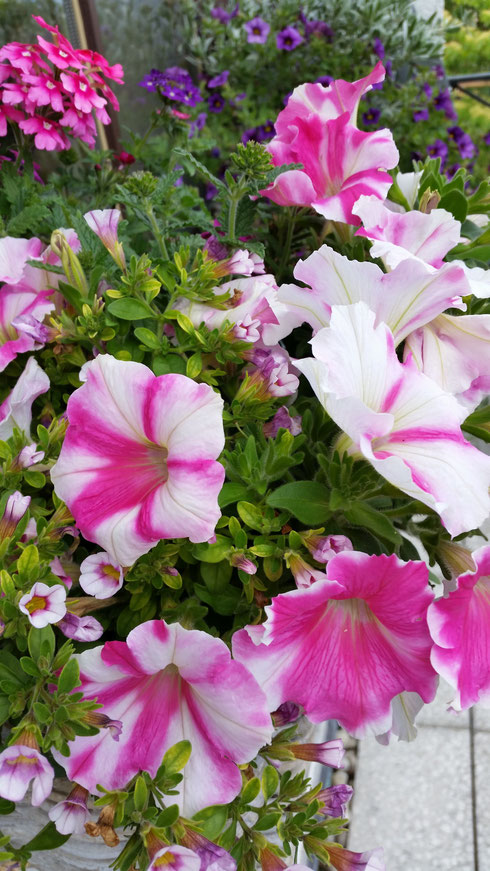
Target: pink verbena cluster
[{"x": 52, "y": 89}]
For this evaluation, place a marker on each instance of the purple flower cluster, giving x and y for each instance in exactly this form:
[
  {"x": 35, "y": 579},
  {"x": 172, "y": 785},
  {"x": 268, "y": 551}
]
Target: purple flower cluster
[
  {"x": 463, "y": 140},
  {"x": 222, "y": 15},
  {"x": 288, "y": 39},
  {"x": 316, "y": 27},
  {"x": 443, "y": 103},
  {"x": 438, "y": 148},
  {"x": 261, "y": 133},
  {"x": 174, "y": 83}
]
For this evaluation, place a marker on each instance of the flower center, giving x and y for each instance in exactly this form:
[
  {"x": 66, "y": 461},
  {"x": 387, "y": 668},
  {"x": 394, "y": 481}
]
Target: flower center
[
  {"x": 50, "y": 85},
  {"x": 37, "y": 603},
  {"x": 63, "y": 53},
  {"x": 168, "y": 858},
  {"x": 22, "y": 760},
  {"x": 111, "y": 571},
  {"x": 47, "y": 125},
  {"x": 83, "y": 87}
]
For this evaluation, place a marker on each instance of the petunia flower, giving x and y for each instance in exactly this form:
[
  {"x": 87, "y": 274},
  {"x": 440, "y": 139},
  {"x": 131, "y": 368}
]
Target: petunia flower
[
  {"x": 324, "y": 547},
  {"x": 460, "y": 627},
  {"x": 16, "y": 409},
  {"x": 14, "y": 254},
  {"x": 340, "y": 163},
  {"x": 397, "y": 418},
  {"x": 257, "y": 30},
  {"x": 44, "y": 604},
  {"x": 99, "y": 577},
  {"x": 80, "y": 628},
  {"x": 71, "y": 814},
  {"x": 282, "y": 420},
  {"x": 175, "y": 858},
  {"x": 19, "y": 764},
  {"x": 376, "y": 604},
  {"x": 104, "y": 223},
  {"x": 138, "y": 462},
  {"x": 334, "y": 800},
  {"x": 13, "y": 304},
  {"x": 213, "y": 857},
  {"x": 288, "y": 39},
  {"x": 15, "y": 508},
  {"x": 185, "y": 681}
]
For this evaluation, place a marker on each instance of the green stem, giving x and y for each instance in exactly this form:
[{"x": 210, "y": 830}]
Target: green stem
[
  {"x": 156, "y": 231},
  {"x": 232, "y": 216},
  {"x": 286, "y": 253}
]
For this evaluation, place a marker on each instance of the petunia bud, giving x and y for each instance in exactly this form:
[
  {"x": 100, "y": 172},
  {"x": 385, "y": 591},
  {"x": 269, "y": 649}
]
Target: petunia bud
[
  {"x": 328, "y": 753},
  {"x": 16, "y": 507},
  {"x": 70, "y": 262}
]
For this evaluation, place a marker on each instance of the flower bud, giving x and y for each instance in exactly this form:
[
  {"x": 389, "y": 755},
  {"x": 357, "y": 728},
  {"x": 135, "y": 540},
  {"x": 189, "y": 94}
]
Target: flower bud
[
  {"x": 70, "y": 262},
  {"x": 16, "y": 507}
]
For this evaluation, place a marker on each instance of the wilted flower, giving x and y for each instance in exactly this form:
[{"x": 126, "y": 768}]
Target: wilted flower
[
  {"x": 71, "y": 814},
  {"x": 334, "y": 800}
]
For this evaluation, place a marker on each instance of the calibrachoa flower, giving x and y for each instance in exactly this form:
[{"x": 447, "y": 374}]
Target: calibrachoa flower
[
  {"x": 334, "y": 800},
  {"x": 371, "y": 116},
  {"x": 16, "y": 409},
  {"x": 257, "y": 30},
  {"x": 397, "y": 418},
  {"x": 324, "y": 547},
  {"x": 99, "y": 577},
  {"x": 71, "y": 814},
  {"x": 346, "y": 860},
  {"x": 213, "y": 857},
  {"x": 329, "y": 753},
  {"x": 340, "y": 162},
  {"x": 21, "y": 763},
  {"x": 216, "y": 103},
  {"x": 288, "y": 39},
  {"x": 307, "y": 650},
  {"x": 175, "y": 858},
  {"x": 282, "y": 420},
  {"x": 44, "y": 604},
  {"x": 186, "y": 681},
  {"x": 16, "y": 304},
  {"x": 138, "y": 462},
  {"x": 15, "y": 508},
  {"x": 438, "y": 148},
  {"x": 420, "y": 115},
  {"x": 104, "y": 223},
  {"x": 80, "y": 628},
  {"x": 460, "y": 627},
  {"x": 219, "y": 80}
]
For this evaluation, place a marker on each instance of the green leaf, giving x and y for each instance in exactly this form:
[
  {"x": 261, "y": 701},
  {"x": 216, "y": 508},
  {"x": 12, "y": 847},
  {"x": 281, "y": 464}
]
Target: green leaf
[
  {"x": 4, "y": 710},
  {"x": 130, "y": 309},
  {"x": 270, "y": 781},
  {"x": 140, "y": 793},
  {"x": 224, "y": 602},
  {"x": 34, "y": 479},
  {"x": 47, "y": 839},
  {"x": 230, "y": 493},
  {"x": 41, "y": 642},
  {"x": 308, "y": 501},
  {"x": 194, "y": 365},
  {"x": 73, "y": 295},
  {"x": 28, "y": 561},
  {"x": 199, "y": 167},
  {"x": 177, "y": 757},
  {"x": 361, "y": 514},
  {"x": 251, "y": 515},
  {"x": 212, "y": 553},
  {"x": 6, "y": 807},
  {"x": 268, "y": 821},
  {"x": 454, "y": 202},
  {"x": 168, "y": 817},
  {"x": 148, "y": 338},
  {"x": 478, "y": 423},
  {"x": 69, "y": 677},
  {"x": 29, "y": 666},
  {"x": 42, "y": 712},
  {"x": 212, "y": 820},
  {"x": 250, "y": 791}
]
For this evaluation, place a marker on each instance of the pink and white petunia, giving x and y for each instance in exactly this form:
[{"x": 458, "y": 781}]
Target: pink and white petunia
[
  {"x": 14, "y": 304},
  {"x": 460, "y": 627},
  {"x": 19, "y": 764},
  {"x": 99, "y": 577},
  {"x": 16, "y": 409},
  {"x": 347, "y": 645},
  {"x": 340, "y": 164},
  {"x": 104, "y": 224},
  {"x": 405, "y": 298},
  {"x": 455, "y": 352},
  {"x": 414, "y": 235},
  {"x": 175, "y": 858},
  {"x": 71, "y": 814},
  {"x": 250, "y": 307},
  {"x": 138, "y": 462},
  {"x": 14, "y": 254},
  {"x": 397, "y": 418},
  {"x": 186, "y": 681},
  {"x": 327, "y": 101},
  {"x": 44, "y": 604}
]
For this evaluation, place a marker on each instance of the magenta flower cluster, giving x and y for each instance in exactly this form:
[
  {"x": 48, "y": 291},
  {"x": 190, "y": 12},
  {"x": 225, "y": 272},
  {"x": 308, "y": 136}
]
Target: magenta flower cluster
[{"x": 52, "y": 90}]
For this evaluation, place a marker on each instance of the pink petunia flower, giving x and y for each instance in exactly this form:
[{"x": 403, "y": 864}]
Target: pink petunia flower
[
  {"x": 186, "y": 681},
  {"x": 99, "y": 577},
  {"x": 376, "y": 604},
  {"x": 71, "y": 814},
  {"x": 19, "y": 764},
  {"x": 14, "y": 254},
  {"x": 14, "y": 303},
  {"x": 460, "y": 627},
  {"x": 44, "y": 604},
  {"x": 16, "y": 409},
  {"x": 397, "y": 418},
  {"x": 138, "y": 462}
]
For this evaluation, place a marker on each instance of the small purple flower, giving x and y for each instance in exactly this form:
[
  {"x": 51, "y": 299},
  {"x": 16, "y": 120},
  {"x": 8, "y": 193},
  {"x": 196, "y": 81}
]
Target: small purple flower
[
  {"x": 443, "y": 103},
  {"x": 439, "y": 71},
  {"x": 219, "y": 80},
  {"x": 486, "y": 138},
  {"x": 438, "y": 148},
  {"x": 251, "y": 133},
  {"x": 198, "y": 124},
  {"x": 334, "y": 800},
  {"x": 316, "y": 27},
  {"x": 288, "y": 39},
  {"x": 265, "y": 131},
  {"x": 324, "y": 80},
  {"x": 216, "y": 103},
  {"x": 211, "y": 191},
  {"x": 389, "y": 68},
  {"x": 222, "y": 15},
  {"x": 282, "y": 420},
  {"x": 215, "y": 152},
  {"x": 421, "y": 115},
  {"x": 372, "y": 115},
  {"x": 452, "y": 170},
  {"x": 427, "y": 89},
  {"x": 286, "y": 713},
  {"x": 80, "y": 628},
  {"x": 379, "y": 48},
  {"x": 257, "y": 30}
]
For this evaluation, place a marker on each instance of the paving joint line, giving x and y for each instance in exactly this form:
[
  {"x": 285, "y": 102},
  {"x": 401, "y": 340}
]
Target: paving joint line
[{"x": 473, "y": 791}]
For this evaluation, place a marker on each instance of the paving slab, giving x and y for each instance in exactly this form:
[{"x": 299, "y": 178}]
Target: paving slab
[
  {"x": 415, "y": 800},
  {"x": 482, "y": 784},
  {"x": 437, "y": 714}
]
